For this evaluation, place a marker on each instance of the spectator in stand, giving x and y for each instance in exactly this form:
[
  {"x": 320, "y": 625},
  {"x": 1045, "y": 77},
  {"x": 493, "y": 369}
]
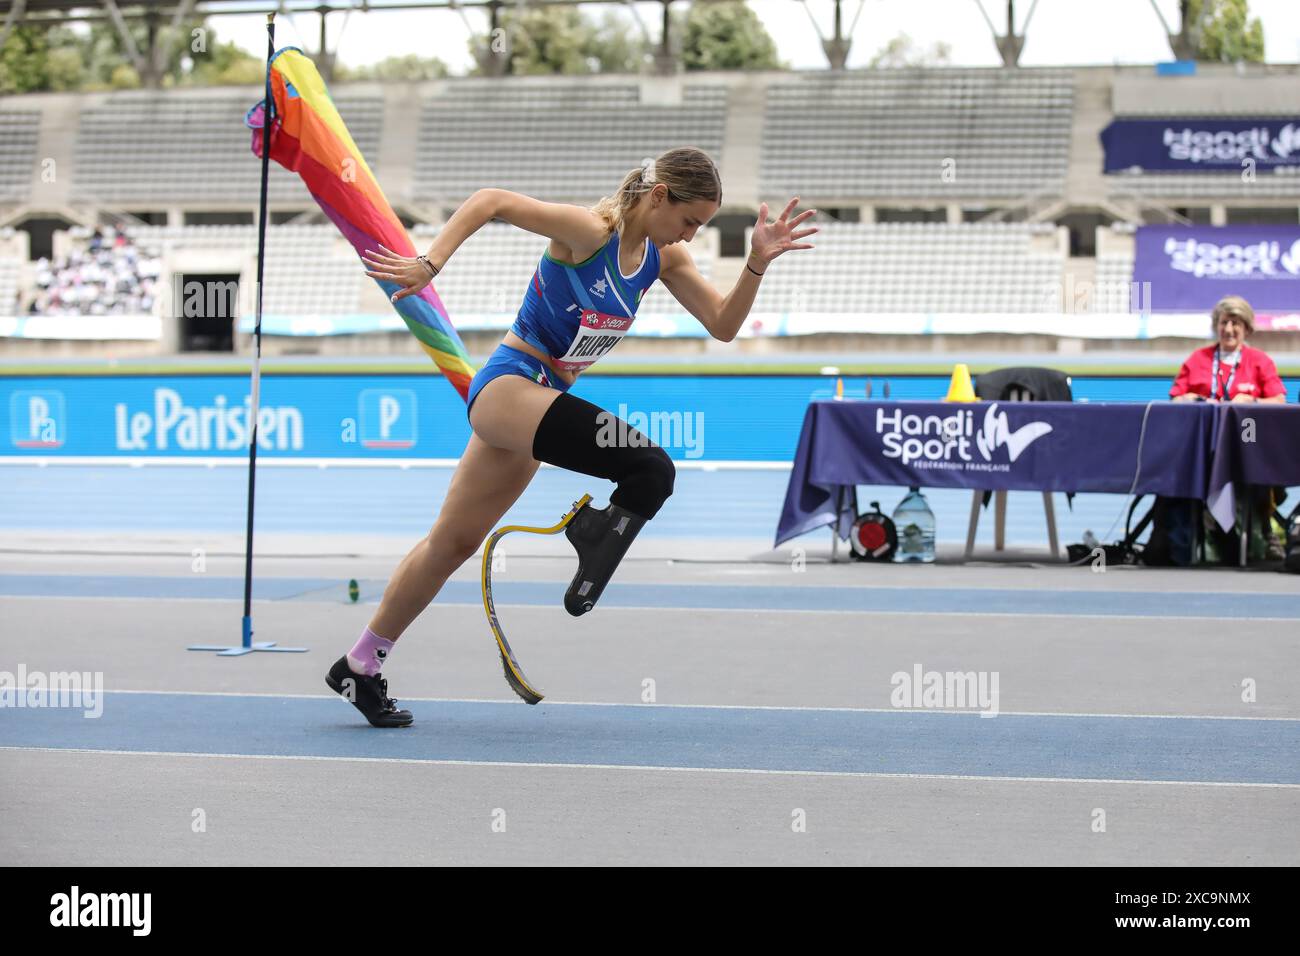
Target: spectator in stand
[{"x": 109, "y": 276}]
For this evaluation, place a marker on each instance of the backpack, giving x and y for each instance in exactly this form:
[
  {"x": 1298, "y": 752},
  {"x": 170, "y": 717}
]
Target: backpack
[{"x": 1175, "y": 537}]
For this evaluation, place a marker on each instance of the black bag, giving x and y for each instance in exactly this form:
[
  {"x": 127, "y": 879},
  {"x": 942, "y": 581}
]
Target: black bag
[
  {"x": 1112, "y": 555},
  {"x": 1292, "y": 525},
  {"x": 1126, "y": 551},
  {"x": 1174, "y": 532}
]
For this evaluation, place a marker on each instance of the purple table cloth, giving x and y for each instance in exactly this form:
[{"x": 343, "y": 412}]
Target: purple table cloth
[{"x": 1188, "y": 450}]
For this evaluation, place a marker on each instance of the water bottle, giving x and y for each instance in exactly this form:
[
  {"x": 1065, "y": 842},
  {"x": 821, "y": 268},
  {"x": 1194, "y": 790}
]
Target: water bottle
[{"x": 915, "y": 523}]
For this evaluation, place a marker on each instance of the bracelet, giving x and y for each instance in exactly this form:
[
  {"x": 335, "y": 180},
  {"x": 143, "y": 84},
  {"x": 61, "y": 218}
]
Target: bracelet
[
  {"x": 433, "y": 270},
  {"x": 751, "y": 269}
]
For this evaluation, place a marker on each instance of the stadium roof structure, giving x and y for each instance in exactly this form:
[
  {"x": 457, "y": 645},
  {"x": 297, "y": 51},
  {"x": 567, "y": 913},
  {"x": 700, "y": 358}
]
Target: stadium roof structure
[{"x": 149, "y": 62}]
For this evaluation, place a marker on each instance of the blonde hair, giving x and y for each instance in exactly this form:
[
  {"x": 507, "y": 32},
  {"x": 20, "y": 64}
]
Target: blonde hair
[
  {"x": 689, "y": 174},
  {"x": 1233, "y": 305}
]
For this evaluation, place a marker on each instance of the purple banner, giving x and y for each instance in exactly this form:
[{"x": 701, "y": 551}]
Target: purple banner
[
  {"x": 1190, "y": 268},
  {"x": 1195, "y": 145}
]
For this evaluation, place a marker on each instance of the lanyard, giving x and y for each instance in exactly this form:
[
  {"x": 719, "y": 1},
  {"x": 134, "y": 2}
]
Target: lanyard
[{"x": 1214, "y": 375}]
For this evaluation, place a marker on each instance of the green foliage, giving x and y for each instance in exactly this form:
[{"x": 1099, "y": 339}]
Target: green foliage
[
  {"x": 93, "y": 57},
  {"x": 563, "y": 40},
  {"x": 64, "y": 69},
  {"x": 619, "y": 46},
  {"x": 220, "y": 64},
  {"x": 1227, "y": 32},
  {"x": 902, "y": 51},
  {"x": 124, "y": 77},
  {"x": 725, "y": 36},
  {"x": 23, "y": 61},
  {"x": 395, "y": 69}
]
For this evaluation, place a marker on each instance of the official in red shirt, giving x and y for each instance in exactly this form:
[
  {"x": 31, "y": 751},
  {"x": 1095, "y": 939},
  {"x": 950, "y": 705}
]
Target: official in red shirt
[
  {"x": 1232, "y": 371},
  {"x": 1229, "y": 370}
]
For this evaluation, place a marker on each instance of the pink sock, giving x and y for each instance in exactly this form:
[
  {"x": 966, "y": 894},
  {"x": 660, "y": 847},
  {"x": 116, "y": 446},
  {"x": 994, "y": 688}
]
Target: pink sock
[{"x": 370, "y": 653}]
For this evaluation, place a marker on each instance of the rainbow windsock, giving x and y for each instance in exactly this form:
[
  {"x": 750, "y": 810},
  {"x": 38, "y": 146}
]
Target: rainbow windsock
[{"x": 309, "y": 137}]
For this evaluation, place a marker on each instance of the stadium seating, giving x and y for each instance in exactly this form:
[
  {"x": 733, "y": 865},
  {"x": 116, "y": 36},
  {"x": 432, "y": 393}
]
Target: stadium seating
[
  {"x": 543, "y": 140},
  {"x": 9, "y": 274},
  {"x": 19, "y": 131},
  {"x": 920, "y": 267},
  {"x": 1174, "y": 189},
  {"x": 309, "y": 270},
  {"x": 1114, "y": 289},
  {"x": 152, "y": 148},
  {"x": 885, "y": 133}
]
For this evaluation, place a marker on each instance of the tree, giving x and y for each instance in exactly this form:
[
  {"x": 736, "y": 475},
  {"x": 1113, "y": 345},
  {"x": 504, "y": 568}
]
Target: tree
[
  {"x": 124, "y": 77},
  {"x": 1227, "y": 34},
  {"x": 102, "y": 52},
  {"x": 547, "y": 40},
  {"x": 23, "y": 61},
  {"x": 725, "y": 36},
  {"x": 107, "y": 64},
  {"x": 221, "y": 64},
  {"x": 92, "y": 58},
  {"x": 401, "y": 69},
  {"x": 64, "y": 68},
  {"x": 902, "y": 51},
  {"x": 618, "y": 48}
]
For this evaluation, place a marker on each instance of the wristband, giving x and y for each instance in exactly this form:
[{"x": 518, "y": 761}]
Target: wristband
[
  {"x": 433, "y": 270},
  {"x": 751, "y": 269}
]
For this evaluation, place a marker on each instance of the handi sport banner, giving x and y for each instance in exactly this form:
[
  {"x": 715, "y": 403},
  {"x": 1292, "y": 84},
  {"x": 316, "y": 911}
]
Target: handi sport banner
[
  {"x": 1190, "y": 268},
  {"x": 1195, "y": 145}
]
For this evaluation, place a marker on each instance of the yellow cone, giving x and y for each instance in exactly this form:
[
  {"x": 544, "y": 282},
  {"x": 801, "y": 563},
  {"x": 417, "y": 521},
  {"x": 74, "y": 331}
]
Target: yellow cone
[
  {"x": 839, "y": 388},
  {"x": 960, "y": 389}
]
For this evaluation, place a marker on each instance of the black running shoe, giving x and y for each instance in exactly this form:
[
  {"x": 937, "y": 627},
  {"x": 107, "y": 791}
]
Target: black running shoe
[{"x": 368, "y": 695}]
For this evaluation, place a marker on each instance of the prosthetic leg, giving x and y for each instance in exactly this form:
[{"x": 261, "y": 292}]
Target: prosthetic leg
[
  {"x": 574, "y": 435},
  {"x": 514, "y": 673},
  {"x": 601, "y": 538}
]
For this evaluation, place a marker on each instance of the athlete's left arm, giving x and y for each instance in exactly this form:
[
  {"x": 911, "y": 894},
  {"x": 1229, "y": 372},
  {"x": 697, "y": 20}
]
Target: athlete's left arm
[
  {"x": 677, "y": 271},
  {"x": 723, "y": 316}
]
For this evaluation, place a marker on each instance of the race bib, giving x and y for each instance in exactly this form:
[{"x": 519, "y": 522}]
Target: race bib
[{"x": 597, "y": 334}]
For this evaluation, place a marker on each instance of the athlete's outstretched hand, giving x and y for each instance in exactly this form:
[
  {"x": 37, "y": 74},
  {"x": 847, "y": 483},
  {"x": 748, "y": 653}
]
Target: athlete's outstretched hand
[
  {"x": 406, "y": 271},
  {"x": 770, "y": 239}
]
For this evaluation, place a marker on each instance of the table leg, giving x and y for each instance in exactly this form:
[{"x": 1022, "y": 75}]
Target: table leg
[
  {"x": 1243, "y": 546},
  {"x": 1000, "y": 528},
  {"x": 835, "y": 525},
  {"x": 1051, "y": 525},
  {"x": 975, "y": 500}
]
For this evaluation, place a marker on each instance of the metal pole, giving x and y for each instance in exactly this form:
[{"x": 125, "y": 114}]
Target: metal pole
[
  {"x": 248, "y": 647},
  {"x": 268, "y": 112}
]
